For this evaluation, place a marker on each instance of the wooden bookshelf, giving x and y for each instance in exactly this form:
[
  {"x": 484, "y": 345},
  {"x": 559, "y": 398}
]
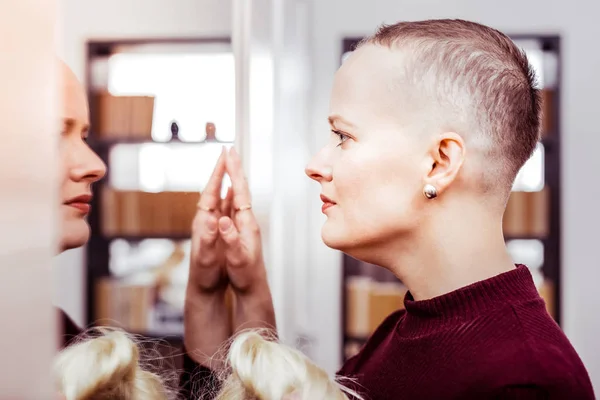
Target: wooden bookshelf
[{"x": 131, "y": 124}]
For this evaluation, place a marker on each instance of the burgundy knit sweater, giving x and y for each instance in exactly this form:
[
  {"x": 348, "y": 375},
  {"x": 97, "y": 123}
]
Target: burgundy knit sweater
[{"x": 490, "y": 340}]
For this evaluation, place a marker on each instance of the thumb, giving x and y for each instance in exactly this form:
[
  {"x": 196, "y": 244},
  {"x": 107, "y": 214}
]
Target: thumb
[
  {"x": 228, "y": 231},
  {"x": 231, "y": 237}
]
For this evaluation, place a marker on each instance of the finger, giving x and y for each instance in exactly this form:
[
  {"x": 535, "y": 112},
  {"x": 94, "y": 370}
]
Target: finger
[
  {"x": 207, "y": 226},
  {"x": 226, "y": 203},
  {"x": 210, "y": 232},
  {"x": 210, "y": 199},
  {"x": 244, "y": 219},
  {"x": 239, "y": 184},
  {"x": 231, "y": 237}
]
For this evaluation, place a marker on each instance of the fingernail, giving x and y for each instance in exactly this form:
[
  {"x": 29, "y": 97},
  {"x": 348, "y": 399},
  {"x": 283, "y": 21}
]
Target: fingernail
[
  {"x": 224, "y": 224},
  {"x": 211, "y": 225}
]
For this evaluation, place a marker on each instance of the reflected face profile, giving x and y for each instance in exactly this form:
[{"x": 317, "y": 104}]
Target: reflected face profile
[
  {"x": 371, "y": 170},
  {"x": 80, "y": 166}
]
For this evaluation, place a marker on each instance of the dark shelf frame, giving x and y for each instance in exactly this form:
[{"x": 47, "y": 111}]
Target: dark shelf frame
[
  {"x": 97, "y": 252},
  {"x": 103, "y": 143},
  {"x": 552, "y": 267}
]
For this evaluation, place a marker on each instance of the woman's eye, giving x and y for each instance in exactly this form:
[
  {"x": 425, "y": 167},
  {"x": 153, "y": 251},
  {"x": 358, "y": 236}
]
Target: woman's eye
[{"x": 343, "y": 137}]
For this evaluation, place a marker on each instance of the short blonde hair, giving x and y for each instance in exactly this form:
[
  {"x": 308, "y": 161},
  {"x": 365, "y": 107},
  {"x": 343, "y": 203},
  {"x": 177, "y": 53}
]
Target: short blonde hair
[
  {"x": 482, "y": 83},
  {"x": 263, "y": 369},
  {"x": 106, "y": 364}
]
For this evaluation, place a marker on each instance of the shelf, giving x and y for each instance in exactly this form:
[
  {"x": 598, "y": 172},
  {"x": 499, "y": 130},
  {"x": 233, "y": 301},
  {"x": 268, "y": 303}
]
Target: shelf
[
  {"x": 351, "y": 338},
  {"x": 106, "y": 143},
  {"x": 138, "y": 238},
  {"x": 508, "y": 238},
  {"x": 549, "y": 142}
]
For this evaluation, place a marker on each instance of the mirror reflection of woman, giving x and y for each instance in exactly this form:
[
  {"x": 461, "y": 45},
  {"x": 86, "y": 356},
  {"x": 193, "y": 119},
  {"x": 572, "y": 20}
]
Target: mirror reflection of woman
[{"x": 107, "y": 363}]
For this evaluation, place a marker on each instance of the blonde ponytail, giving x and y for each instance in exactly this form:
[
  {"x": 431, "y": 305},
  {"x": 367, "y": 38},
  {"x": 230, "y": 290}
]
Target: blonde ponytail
[
  {"x": 106, "y": 367},
  {"x": 263, "y": 369}
]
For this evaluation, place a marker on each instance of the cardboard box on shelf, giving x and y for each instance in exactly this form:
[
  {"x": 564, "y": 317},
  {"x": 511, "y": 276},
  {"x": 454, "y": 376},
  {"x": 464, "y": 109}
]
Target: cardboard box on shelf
[
  {"x": 161, "y": 213},
  {"x": 104, "y": 310},
  {"x": 539, "y": 213},
  {"x": 546, "y": 291},
  {"x": 121, "y": 117},
  {"x": 385, "y": 298},
  {"x": 369, "y": 302},
  {"x": 111, "y": 116},
  {"x": 141, "y": 116},
  {"x": 358, "y": 292},
  {"x": 129, "y": 211},
  {"x": 547, "y": 112},
  {"x": 123, "y": 305},
  {"x": 137, "y": 213},
  {"x": 110, "y": 222},
  {"x": 527, "y": 214},
  {"x": 515, "y": 216}
]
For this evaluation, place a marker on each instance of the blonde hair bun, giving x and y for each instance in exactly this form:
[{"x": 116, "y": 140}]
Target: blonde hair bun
[
  {"x": 265, "y": 369},
  {"x": 105, "y": 366}
]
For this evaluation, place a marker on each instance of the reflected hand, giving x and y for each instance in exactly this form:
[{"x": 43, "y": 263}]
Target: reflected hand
[
  {"x": 207, "y": 273},
  {"x": 206, "y": 318},
  {"x": 240, "y": 233}
]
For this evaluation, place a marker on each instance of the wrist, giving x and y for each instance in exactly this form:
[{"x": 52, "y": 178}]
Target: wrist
[
  {"x": 253, "y": 309},
  {"x": 204, "y": 299}
]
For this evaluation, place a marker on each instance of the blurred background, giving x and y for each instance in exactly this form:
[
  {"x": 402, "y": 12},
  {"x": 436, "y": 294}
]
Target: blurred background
[{"x": 171, "y": 82}]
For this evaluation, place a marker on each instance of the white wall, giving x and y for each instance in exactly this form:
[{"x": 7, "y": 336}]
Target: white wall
[
  {"x": 28, "y": 204},
  {"x": 107, "y": 19},
  {"x": 336, "y": 19}
]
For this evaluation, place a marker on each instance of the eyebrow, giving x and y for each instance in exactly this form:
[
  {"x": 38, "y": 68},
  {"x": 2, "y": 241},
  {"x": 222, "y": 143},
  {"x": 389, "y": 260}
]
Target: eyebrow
[{"x": 336, "y": 118}]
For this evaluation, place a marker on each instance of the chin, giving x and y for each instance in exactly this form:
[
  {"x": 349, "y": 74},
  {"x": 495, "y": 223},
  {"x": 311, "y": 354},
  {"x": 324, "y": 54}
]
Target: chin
[
  {"x": 362, "y": 245},
  {"x": 74, "y": 234},
  {"x": 339, "y": 239}
]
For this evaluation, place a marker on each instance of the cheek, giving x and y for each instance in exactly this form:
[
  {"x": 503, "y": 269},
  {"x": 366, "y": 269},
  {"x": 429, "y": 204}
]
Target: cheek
[
  {"x": 64, "y": 160},
  {"x": 379, "y": 192}
]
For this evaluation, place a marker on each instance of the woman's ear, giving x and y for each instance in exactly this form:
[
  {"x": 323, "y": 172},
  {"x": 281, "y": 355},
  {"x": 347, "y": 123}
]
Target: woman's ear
[{"x": 448, "y": 154}]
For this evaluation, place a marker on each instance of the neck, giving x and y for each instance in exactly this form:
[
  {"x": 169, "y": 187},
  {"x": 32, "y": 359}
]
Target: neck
[{"x": 459, "y": 245}]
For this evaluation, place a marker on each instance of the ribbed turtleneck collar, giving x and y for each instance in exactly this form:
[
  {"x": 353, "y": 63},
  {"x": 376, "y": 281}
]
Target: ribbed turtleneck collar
[{"x": 469, "y": 302}]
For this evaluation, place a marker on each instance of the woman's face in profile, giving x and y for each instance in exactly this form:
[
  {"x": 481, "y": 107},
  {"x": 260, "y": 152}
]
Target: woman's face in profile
[
  {"x": 80, "y": 166},
  {"x": 372, "y": 169}
]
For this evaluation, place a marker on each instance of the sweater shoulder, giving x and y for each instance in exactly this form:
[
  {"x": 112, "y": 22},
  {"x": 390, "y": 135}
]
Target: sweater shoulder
[
  {"x": 552, "y": 356},
  {"x": 384, "y": 331}
]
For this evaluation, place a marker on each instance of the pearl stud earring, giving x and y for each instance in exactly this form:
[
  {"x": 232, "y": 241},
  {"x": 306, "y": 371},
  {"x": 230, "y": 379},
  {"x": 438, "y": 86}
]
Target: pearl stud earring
[{"x": 430, "y": 191}]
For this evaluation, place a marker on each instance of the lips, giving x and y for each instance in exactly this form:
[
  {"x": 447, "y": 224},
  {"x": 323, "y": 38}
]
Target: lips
[
  {"x": 80, "y": 203},
  {"x": 327, "y": 203}
]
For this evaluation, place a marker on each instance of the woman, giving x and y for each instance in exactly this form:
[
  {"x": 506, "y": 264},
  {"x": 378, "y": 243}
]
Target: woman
[
  {"x": 430, "y": 122},
  {"x": 80, "y": 168}
]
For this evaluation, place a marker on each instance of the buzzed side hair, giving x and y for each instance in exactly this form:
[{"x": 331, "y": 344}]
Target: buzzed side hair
[{"x": 482, "y": 79}]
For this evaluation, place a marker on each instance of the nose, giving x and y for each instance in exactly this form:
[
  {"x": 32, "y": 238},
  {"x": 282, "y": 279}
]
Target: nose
[
  {"x": 90, "y": 168},
  {"x": 318, "y": 169}
]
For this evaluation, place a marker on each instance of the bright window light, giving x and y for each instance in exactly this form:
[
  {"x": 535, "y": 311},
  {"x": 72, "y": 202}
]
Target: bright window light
[
  {"x": 531, "y": 176},
  {"x": 530, "y": 253},
  {"x": 156, "y": 167},
  {"x": 191, "y": 89}
]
